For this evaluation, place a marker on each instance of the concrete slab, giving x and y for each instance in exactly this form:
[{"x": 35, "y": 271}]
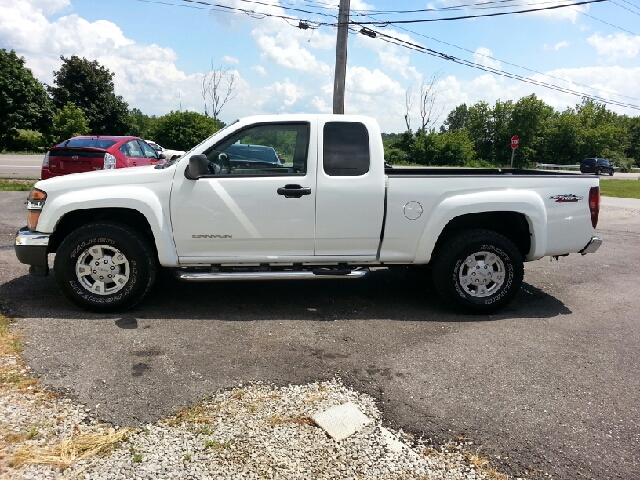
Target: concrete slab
[{"x": 341, "y": 421}]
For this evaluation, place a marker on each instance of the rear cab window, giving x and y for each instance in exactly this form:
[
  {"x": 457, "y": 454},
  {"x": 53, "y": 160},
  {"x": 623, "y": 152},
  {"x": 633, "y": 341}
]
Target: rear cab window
[{"x": 345, "y": 149}]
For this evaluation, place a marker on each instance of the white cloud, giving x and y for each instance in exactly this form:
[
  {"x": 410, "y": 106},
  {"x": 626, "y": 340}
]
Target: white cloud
[
  {"x": 556, "y": 47},
  {"x": 285, "y": 50},
  {"x": 484, "y": 57},
  {"x": 392, "y": 57},
  {"x": 260, "y": 70},
  {"x": 616, "y": 46},
  {"x": 231, "y": 60}
]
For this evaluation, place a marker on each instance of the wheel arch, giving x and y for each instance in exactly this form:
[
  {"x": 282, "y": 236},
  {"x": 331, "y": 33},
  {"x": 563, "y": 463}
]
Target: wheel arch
[
  {"x": 519, "y": 216},
  {"x": 512, "y": 225},
  {"x": 126, "y": 216}
]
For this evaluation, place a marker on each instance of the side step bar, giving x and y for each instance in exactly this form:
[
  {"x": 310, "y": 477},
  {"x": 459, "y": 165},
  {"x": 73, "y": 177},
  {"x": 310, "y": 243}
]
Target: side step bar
[{"x": 284, "y": 275}]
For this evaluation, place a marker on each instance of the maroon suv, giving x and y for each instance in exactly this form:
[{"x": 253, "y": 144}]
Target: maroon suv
[{"x": 101, "y": 152}]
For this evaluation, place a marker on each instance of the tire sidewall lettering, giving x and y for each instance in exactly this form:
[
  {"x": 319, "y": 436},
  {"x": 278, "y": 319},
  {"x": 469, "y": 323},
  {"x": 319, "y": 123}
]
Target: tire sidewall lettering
[{"x": 86, "y": 244}]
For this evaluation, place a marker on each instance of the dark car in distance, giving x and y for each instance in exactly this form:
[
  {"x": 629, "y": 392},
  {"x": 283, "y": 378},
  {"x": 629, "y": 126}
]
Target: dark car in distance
[
  {"x": 596, "y": 165},
  {"x": 246, "y": 155},
  {"x": 97, "y": 152}
]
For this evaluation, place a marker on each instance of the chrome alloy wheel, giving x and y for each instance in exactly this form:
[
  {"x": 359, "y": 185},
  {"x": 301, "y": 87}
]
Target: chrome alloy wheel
[
  {"x": 482, "y": 274},
  {"x": 103, "y": 270}
]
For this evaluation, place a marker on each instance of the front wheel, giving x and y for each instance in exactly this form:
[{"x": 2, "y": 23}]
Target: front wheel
[
  {"x": 478, "y": 271},
  {"x": 105, "y": 267}
]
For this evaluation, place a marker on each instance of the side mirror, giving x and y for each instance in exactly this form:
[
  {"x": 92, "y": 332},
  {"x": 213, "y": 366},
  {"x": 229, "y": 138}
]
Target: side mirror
[
  {"x": 198, "y": 167},
  {"x": 161, "y": 156}
]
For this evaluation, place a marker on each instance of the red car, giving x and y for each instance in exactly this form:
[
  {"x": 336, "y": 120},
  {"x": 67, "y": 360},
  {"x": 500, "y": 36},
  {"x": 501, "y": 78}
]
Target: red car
[{"x": 98, "y": 152}]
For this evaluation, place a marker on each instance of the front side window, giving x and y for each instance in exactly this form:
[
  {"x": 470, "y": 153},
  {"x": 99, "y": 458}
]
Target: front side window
[
  {"x": 262, "y": 150},
  {"x": 132, "y": 149},
  {"x": 345, "y": 149},
  {"x": 147, "y": 151}
]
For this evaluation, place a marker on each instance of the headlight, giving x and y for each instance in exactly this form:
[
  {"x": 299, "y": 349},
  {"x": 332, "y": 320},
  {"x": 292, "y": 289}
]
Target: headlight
[
  {"x": 35, "y": 202},
  {"x": 109, "y": 162}
]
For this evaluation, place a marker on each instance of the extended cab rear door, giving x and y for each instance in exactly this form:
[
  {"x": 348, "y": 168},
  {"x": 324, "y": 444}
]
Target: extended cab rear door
[{"x": 350, "y": 188}]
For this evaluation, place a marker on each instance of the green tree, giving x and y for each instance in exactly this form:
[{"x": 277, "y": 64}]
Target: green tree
[
  {"x": 89, "y": 86},
  {"x": 632, "y": 147},
  {"x": 183, "y": 130},
  {"x": 455, "y": 149},
  {"x": 456, "y": 120},
  {"x": 141, "y": 124},
  {"x": 69, "y": 122},
  {"x": 480, "y": 130},
  {"x": 588, "y": 130},
  {"x": 530, "y": 120},
  {"x": 24, "y": 103}
]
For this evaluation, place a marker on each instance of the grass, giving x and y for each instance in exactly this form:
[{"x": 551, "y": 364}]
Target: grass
[
  {"x": 69, "y": 450},
  {"x": 7, "y": 185},
  {"x": 15, "y": 448},
  {"x": 620, "y": 188}
]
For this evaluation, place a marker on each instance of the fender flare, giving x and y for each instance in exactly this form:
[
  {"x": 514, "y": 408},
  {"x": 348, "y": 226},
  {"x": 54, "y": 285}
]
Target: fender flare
[
  {"x": 136, "y": 198},
  {"x": 527, "y": 203}
]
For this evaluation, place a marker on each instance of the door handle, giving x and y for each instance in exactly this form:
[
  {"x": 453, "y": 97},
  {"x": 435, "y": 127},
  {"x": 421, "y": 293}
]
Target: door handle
[{"x": 293, "y": 191}]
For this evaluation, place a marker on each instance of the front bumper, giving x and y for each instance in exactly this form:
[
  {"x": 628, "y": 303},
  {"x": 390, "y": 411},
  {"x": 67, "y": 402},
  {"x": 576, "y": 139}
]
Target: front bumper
[
  {"x": 592, "y": 246},
  {"x": 31, "y": 249}
]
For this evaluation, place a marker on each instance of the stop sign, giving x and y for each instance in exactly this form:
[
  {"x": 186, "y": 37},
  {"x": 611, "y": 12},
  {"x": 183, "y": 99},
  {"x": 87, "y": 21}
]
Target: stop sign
[{"x": 514, "y": 141}]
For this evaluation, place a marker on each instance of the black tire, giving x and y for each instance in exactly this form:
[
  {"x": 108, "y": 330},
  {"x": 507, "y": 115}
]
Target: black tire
[
  {"x": 598, "y": 171},
  {"x": 491, "y": 285},
  {"x": 611, "y": 173},
  {"x": 124, "y": 275}
]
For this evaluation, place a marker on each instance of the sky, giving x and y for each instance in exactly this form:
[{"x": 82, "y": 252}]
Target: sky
[{"x": 159, "y": 51}]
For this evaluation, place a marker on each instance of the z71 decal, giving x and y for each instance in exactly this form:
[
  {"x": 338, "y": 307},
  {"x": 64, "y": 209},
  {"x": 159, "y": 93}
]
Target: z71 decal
[{"x": 566, "y": 198}]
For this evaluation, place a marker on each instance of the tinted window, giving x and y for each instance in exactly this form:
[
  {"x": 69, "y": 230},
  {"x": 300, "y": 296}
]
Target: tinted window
[
  {"x": 132, "y": 149},
  {"x": 252, "y": 152},
  {"x": 87, "y": 142},
  {"x": 345, "y": 149},
  {"x": 147, "y": 151},
  {"x": 267, "y": 149}
]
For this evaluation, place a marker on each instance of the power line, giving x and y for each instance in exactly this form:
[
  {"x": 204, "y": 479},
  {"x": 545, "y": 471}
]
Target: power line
[
  {"x": 606, "y": 23},
  {"x": 509, "y": 63},
  {"x": 497, "y": 14},
  {"x": 497, "y": 71},
  {"x": 419, "y": 48}
]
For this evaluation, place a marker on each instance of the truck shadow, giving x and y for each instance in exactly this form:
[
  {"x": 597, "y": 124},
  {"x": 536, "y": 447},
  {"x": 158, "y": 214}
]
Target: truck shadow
[{"x": 382, "y": 295}]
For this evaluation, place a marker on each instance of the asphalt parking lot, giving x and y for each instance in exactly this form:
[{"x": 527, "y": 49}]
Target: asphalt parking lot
[{"x": 549, "y": 386}]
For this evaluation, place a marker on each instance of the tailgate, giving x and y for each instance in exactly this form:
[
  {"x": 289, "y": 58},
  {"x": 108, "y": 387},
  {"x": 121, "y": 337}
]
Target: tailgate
[{"x": 75, "y": 160}]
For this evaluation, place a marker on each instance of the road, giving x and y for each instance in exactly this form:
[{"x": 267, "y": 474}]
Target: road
[
  {"x": 549, "y": 386},
  {"x": 20, "y": 166}
]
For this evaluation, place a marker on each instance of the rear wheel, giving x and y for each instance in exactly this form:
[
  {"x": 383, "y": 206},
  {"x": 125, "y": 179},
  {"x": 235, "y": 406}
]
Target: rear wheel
[
  {"x": 105, "y": 267},
  {"x": 611, "y": 173},
  {"x": 598, "y": 171},
  {"x": 478, "y": 271}
]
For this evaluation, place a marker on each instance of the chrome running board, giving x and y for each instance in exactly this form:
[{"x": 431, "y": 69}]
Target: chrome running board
[{"x": 258, "y": 275}]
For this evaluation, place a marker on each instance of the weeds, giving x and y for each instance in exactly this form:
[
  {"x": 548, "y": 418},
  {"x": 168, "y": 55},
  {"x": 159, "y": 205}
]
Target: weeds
[
  {"x": 68, "y": 451},
  {"x": 10, "y": 185},
  {"x": 275, "y": 420},
  {"x": 216, "y": 445}
]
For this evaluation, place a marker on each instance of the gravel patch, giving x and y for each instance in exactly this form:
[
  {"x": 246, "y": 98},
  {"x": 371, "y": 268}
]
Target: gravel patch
[{"x": 255, "y": 431}]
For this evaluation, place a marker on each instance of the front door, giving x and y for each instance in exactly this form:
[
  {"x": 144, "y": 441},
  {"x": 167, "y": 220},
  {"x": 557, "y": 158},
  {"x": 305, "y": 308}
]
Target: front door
[{"x": 251, "y": 209}]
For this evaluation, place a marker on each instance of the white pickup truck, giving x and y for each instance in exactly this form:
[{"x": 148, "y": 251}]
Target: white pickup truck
[{"x": 329, "y": 208}]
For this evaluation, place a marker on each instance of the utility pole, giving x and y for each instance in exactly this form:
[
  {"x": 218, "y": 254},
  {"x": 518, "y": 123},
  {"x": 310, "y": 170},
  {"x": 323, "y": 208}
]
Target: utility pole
[{"x": 341, "y": 57}]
